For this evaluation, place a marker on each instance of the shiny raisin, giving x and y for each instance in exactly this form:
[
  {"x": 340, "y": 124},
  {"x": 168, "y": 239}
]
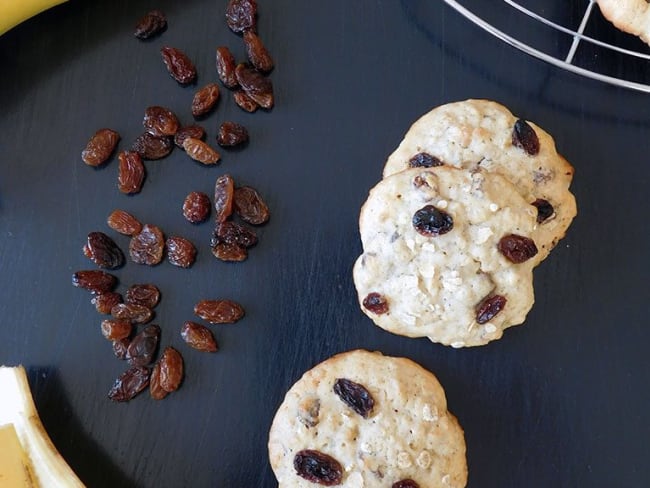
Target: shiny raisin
[
  {"x": 116, "y": 329},
  {"x": 250, "y": 206},
  {"x": 130, "y": 172},
  {"x": 134, "y": 313},
  {"x": 124, "y": 223},
  {"x": 224, "y": 190},
  {"x": 104, "y": 302},
  {"x": 240, "y": 15},
  {"x": 103, "y": 251},
  {"x": 232, "y": 134},
  {"x": 180, "y": 252},
  {"x": 146, "y": 295},
  {"x": 171, "y": 369},
  {"x": 129, "y": 384},
  {"x": 257, "y": 53},
  {"x": 244, "y": 101},
  {"x": 151, "y": 147},
  {"x": 525, "y": 137},
  {"x": 179, "y": 65},
  {"x": 355, "y": 396},
  {"x": 199, "y": 337},
  {"x": 156, "y": 390},
  {"x": 150, "y": 25},
  {"x": 160, "y": 121},
  {"x": 194, "y": 131},
  {"x": 544, "y": 210},
  {"x": 489, "y": 307},
  {"x": 196, "y": 207},
  {"x": 256, "y": 85},
  {"x": 205, "y": 100},
  {"x": 229, "y": 252},
  {"x": 200, "y": 151},
  {"x": 226, "y": 67},
  {"x": 95, "y": 281},
  {"x": 143, "y": 347},
  {"x": 100, "y": 147},
  {"x": 233, "y": 233},
  {"x": 120, "y": 347},
  {"x": 376, "y": 303},
  {"x": 424, "y": 160},
  {"x": 147, "y": 247},
  {"x": 318, "y": 467},
  {"x": 430, "y": 221},
  {"x": 219, "y": 311},
  {"x": 408, "y": 483},
  {"x": 516, "y": 248}
]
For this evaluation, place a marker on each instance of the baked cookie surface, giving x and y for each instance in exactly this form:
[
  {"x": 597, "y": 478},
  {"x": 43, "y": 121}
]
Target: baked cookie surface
[
  {"x": 406, "y": 434},
  {"x": 457, "y": 287},
  {"x": 484, "y": 134},
  {"x": 631, "y": 16}
]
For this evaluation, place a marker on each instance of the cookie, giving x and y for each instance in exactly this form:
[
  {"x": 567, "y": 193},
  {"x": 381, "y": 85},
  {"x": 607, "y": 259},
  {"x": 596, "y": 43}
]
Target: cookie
[
  {"x": 631, "y": 16},
  {"x": 362, "y": 419},
  {"x": 483, "y": 134},
  {"x": 448, "y": 254}
]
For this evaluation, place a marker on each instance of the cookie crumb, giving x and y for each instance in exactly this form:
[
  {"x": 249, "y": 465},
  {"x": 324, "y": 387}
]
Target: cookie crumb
[
  {"x": 490, "y": 328},
  {"x": 424, "y": 460},
  {"x": 430, "y": 414},
  {"x": 404, "y": 460},
  {"x": 494, "y": 207},
  {"x": 442, "y": 204}
]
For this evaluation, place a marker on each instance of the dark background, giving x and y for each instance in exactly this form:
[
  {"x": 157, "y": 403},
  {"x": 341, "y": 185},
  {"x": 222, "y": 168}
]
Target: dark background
[{"x": 561, "y": 401}]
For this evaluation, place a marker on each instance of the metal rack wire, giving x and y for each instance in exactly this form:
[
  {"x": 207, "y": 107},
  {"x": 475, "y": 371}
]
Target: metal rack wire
[{"x": 577, "y": 36}]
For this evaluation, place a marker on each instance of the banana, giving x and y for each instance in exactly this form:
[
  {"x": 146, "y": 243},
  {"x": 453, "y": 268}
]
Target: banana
[
  {"x": 28, "y": 457},
  {"x": 13, "y": 12}
]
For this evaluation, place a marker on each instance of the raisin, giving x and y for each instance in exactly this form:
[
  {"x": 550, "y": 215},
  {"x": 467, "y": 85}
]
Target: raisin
[
  {"x": 194, "y": 131},
  {"x": 376, "y": 303},
  {"x": 224, "y": 190},
  {"x": 180, "y": 66},
  {"x": 146, "y": 295},
  {"x": 229, "y": 252},
  {"x": 408, "y": 483},
  {"x": 250, "y": 206},
  {"x": 544, "y": 210},
  {"x": 355, "y": 396},
  {"x": 308, "y": 412},
  {"x": 103, "y": 251},
  {"x": 120, "y": 347},
  {"x": 424, "y": 160},
  {"x": 95, "y": 281},
  {"x": 155, "y": 389},
  {"x": 152, "y": 24},
  {"x": 124, "y": 223},
  {"x": 152, "y": 147},
  {"x": 219, "y": 311},
  {"x": 234, "y": 233},
  {"x": 244, "y": 101},
  {"x": 143, "y": 346},
  {"x": 257, "y": 53},
  {"x": 100, "y": 147},
  {"x": 226, "y": 67},
  {"x": 318, "y": 467},
  {"x": 104, "y": 302},
  {"x": 240, "y": 15},
  {"x": 137, "y": 314},
  {"x": 524, "y": 137},
  {"x": 196, "y": 207},
  {"x": 180, "y": 252},
  {"x": 160, "y": 121},
  {"x": 129, "y": 384},
  {"x": 147, "y": 247},
  {"x": 516, "y": 248},
  {"x": 199, "y": 337},
  {"x": 489, "y": 307},
  {"x": 114, "y": 330},
  {"x": 171, "y": 369},
  {"x": 256, "y": 85},
  {"x": 200, "y": 151},
  {"x": 232, "y": 134},
  {"x": 205, "y": 100},
  {"x": 430, "y": 221},
  {"x": 131, "y": 172}
]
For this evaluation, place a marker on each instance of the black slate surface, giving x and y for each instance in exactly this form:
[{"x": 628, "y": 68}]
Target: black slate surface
[{"x": 561, "y": 401}]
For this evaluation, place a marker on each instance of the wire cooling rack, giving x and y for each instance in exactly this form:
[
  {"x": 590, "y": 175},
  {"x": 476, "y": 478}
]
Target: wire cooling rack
[{"x": 573, "y": 36}]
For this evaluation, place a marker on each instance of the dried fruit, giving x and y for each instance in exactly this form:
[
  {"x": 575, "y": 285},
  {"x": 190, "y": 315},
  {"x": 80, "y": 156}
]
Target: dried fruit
[
  {"x": 234, "y": 233},
  {"x": 194, "y": 131},
  {"x": 544, "y": 210},
  {"x": 516, "y": 248},
  {"x": 219, "y": 311},
  {"x": 160, "y": 121},
  {"x": 200, "y": 151},
  {"x": 151, "y": 147},
  {"x": 430, "y": 221},
  {"x": 136, "y": 314},
  {"x": 250, "y": 206},
  {"x": 120, "y": 347},
  {"x": 224, "y": 190},
  {"x": 131, "y": 172},
  {"x": 232, "y": 134},
  {"x": 152, "y": 24},
  {"x": 355, "y": 396},
  {"x": 229, "y": 252},
  {"x": 95, "y": 281},
  {"x": 408, "y": 483},
  {"x": 180, "y": 66},
  {"x": 524, "y": 137},
  {"x": 146, "y": 295},
  {"x": 129, "y": 384},
  {"x": 424, "y": 160},
  {"x": 155, "y": 389},
  {"x": 114, "y": 330},
  {"x": 196, "y": 207},
  {"x": 256, "y": 85},
  {"x": 205, "y": 100},
  {"x": 124, "y": 223},
  {"x": 240, "y": 15},
  {"x": 171, "y": 369},
  {"x": 147, "y": 247},
  {"x": 257, "y": 53},
  {"x": 318, "y": 467},
  {"x": 489, "y": 307},
  {"x": 104, "y": 302},
  {"x": 143, "y": 346},
  {"x": 244, "y": 101},
  {"x": 226, "y": 67},
  {"x": 180, "y": 252},
  {"x": 308, "y": 412},
  {"x": 376, "y": 303},
  {"x": 103, "y": 251},
  {"x": 199, "y": 337},
  {"x": 100, "y": 147}
]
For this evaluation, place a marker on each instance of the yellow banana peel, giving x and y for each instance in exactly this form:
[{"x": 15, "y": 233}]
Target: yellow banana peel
[{"x": 13, "y": 12}]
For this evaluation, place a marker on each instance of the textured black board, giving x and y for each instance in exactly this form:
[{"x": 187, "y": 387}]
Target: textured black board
[{"x": 561, "y": 401}]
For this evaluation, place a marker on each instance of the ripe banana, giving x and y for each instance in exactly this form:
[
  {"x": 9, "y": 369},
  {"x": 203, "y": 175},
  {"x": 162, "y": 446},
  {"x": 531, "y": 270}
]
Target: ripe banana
[{"x": 13, "y": 12}]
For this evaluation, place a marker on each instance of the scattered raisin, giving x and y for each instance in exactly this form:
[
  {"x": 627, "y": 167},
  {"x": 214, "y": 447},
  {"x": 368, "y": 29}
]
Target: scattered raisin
[
  {"x": 355, "y": 396},
  {"x": 131, "y": 172},
  {"x": 424, "y": 160},
  {"x": 256, "y": 85},
  {"x": 524, "y": 137},
  {"x": 224, "y": 190},
  {"x": 408, "y": 483},
  {"x": 219, "y": 311},
  {"x": 196, "y": 207},
  {"x": 250, "y": 206},
  {"x": 229, "y": 252},
  {"x": 180, "y": 67},
  {"x": 171, "y": 369},
  {"x": 244, "y": 101},
  {"x": 257, "y": 53},
  {"x": 199, "y": 337},
  {"x": 129, "y": 384},
  {"x": 180, "y": 252},
  {"x": 137, "y": 314},
  {"x": 226, "y": 67},
  {"x": 318, "y": 467},
  {"x": 103, "y": 251},
  {"x": 95, "y": 281},
  {"x": 544, "y": 210},
  {"x": 151, "y": 147},
  {"x": 147, "y": 247},
  {"x": 194, "y": 131},
  {"x": 376, "y": 303},
  {"x": 233, "y": 233},
  {"x": 489, "y": 307},
  {"x": 104, "y": 302},
  {"x": 100, "y": 147},
  {"x": 200, "y": 151},
  {"x": 205, "y": 100},
  {"x": 143, "y": 346},
  {"x": 240, "y": 15},
  {"x": 160, "y": 121},
  {"x": 124, "y": 223},
  {"x": 155, "y": 389},
  {"x": 146, "y": 295},
  {"x": 516, "y": 248},
  {"x": 430, "y": 221},
  {"x": 120, "y": 347},
  {"x": 114, "y": 330},
  {"x": 232, "y": 134},
  {"x": 152, "y": 24}
]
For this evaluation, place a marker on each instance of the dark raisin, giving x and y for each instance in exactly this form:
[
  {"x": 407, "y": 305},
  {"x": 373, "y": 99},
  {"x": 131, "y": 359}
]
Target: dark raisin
[
  {"x": 199, "y": 337},
  {"x": 424, "y": 160},
  {"x": 129, "y": 384},
  {"x": 544, "y": 210},
  {"x": 205, "y": 100},
  {"x": 234, "y": 233},
  {"x": 257, "y": 53},
  {"x": 156, "y": 390},
  {"x": 143, "y": 346},
  {"x": 196, "y": 207},
  {"x": 120, "y": 347},
  {"x": 226, "y": 67},
  {"x": 146, "y": 295},
  {"x": 100, "y": 147},
  {"x": 256, "y": 85},
  {"x": 152, "y": 24},
  {"x": 151, "y": 147},
  {"x": 489, "y": 307},
  {"x": 180, "y": 66},
  {"x": 137, "y": 314},
  {"x": 408, "y": 483},
  {"x": 524, "y": 137},
  {"x": 250, "y": 206},
  {"x": 200, "y": 151},
  {"x": 240, "y": 15},
  {"x": 430, "y": 221},
  {"x": 376, "y": 303},
  {"x": 245, "y": 102},
  {"x": 229, "y": 252},
  {"x": 516, "y": 248},
  {"x": 193, "y": 131},
  {"x": 104, "y": 302},
  {"x": 160, "y": 121},
  {"x": 103, "y": 251},
  {"x": 224, "y": 190},
  {"x": 171, "y": 369},
  {"x": 180, "y": 252},
  {"x": 130, "y": 172},
  {"x": 232, "y": 134},
  {"x": 114, "y": 330},
  {"x": 318, "y": 467},
  {"x": 219, "y": 311},
  {"x": 355, "y": 396},
  {"x": 95, "y": 281},
  {"x": 124, "y": 223},
  {"x": 147, "y": 247}
]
